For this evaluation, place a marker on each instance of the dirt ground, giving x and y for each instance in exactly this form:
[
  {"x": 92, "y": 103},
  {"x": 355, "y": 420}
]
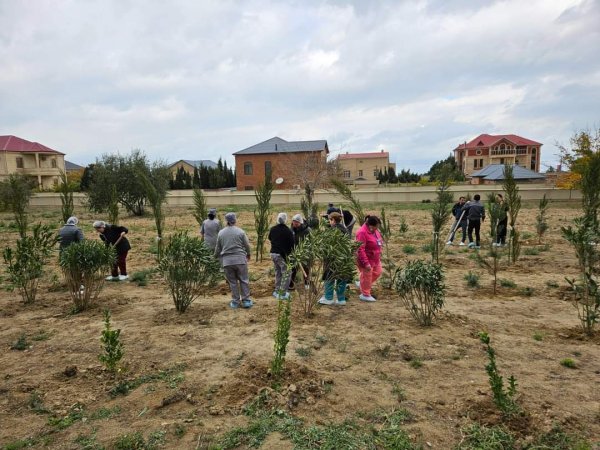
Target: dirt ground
[{"x": 203, "y": 366}]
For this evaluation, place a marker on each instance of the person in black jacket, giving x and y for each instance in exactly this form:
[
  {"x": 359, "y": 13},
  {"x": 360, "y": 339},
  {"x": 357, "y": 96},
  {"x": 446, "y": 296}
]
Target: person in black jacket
[
  {"x": 475, "y": 213},
  {"x": 301, "y": 230},
  {"x": 69, "y": 233},
  {"x": 282, "y": 243},
  {"x": 460, "y": 221},
  {"x": 502, "y": 222},
  {"x": 115, "y": 235}
]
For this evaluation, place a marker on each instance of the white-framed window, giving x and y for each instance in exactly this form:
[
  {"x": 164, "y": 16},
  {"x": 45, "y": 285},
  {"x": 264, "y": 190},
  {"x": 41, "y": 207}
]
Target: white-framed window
[
  {"x": 360, "y": 173},
  {"x": 375, "y": 172},
  {"x": 346, "y": 174}
]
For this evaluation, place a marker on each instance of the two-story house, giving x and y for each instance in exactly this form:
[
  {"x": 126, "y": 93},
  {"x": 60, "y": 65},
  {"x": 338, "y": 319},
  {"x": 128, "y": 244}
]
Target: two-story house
[
  {"x": 291, "y": 164},
  {"x": 20, "y": 156},
  {"x": 487, "y": 149},
  {"x": 363, "y": 168}
]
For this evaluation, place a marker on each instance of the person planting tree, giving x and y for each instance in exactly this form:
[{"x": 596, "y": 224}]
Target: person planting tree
[
  {"x": 369, "y": 256},
  {"x": 475, "y": 213},
  {"x": 300, "y": 230},
  {"x": 116, "y": 236}
]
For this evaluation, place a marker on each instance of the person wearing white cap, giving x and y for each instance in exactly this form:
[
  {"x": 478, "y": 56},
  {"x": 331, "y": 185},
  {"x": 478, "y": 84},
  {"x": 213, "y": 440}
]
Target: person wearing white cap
[
  {"x": 282, "y": 243},
  {"x": 233, "y": 250},
  {"x": 301, "y": 230},
  {"x": 69, "y": 233},
  {"x": 210, "y": 229}
]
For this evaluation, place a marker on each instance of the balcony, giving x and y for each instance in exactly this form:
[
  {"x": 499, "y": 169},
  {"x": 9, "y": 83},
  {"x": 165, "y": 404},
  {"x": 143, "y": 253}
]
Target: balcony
[
  {"x": 508, "y": 152},
  {"x": 43, "y": 171}
]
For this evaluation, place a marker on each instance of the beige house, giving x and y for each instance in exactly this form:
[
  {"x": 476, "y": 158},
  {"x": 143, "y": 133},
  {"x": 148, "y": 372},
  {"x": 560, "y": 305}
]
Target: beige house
[
  {"x": 19, "y": 156},
  {"x": 502, "y": 149},
  {"x": 363, "y": 168},
  {"x": 189, "y": 165}
]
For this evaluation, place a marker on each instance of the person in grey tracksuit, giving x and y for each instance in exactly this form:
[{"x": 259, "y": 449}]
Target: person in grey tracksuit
[
  {"x": 475, "y": 212},
  {"x": 210, "y": 229},
  {"x": 233, "y": 250},
  {"x": 69, "y": 233}
]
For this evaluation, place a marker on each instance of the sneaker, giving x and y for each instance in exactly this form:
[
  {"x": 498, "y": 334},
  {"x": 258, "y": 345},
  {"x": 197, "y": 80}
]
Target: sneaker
[
  {"x": 276, "y": 295},
  {"x": 306, "y": 287},
  {"x": 366, "y": 298},
  {"x": 471, "y": 245},
  {"x": 462, "y": 244},
  {"x": 123, "y": 277},
  {"x": 341, "y": 303},
  {"x": 285, "y": 296},
  {"x": 357, "y": 284},
  {"x": 247, "y": 303},
  {"x": 449, "y": 243},
  {"x": 476, "y": 247},
  {"x": 233, "y": 304},
  {"x": 111, "y": 278},
  {"x": 324, "y": 301}
]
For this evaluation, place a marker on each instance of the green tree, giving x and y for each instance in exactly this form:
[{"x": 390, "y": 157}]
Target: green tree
[
  {"x": 111, "y": 345},
  {"x": 445, "y": 168},
  {"x": 441, "y": 212},
  {"x": 346, "y": 193},
  {"x": 261, "y": 214},
  {"x": 513, "y": 201},
  {"x": 66, "y": 189},
  {"x": 156, "y": 182},
  {"x": 15, "y": 193}
]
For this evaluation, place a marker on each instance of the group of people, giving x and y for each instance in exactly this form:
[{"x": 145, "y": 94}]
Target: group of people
[
  {"x": 231, "y": 246},
  {"x": 111, "y": 235},
  {"x": 468, "y": 217}
]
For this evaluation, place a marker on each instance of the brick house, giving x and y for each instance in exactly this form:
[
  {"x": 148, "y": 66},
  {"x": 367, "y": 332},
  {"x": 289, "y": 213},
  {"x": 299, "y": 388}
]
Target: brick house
[
  {"x": 293, "y": 161},
  {"x": 488, "y": 149},
  {"x": 34, "y": 160},
  {"x": 363, "y": 168}
]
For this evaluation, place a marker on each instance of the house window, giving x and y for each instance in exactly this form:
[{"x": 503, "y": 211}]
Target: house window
[
  {"x": 478, "y": 152},
  {"x": 360, "y": 173},
  {"x": 475, "y": 164},
  {"x": 268, "y": 169},
  {"x": 481, "y": 163},
  {"x": 346, "y": 174},
  {"x": 376, "y": 173},
  {"x": 248, "y": 170},
  {"x": 19, "y": 162},
  {"x": 53, "y": 163},
  {"x": 533, "y": 151},
  {"x": 501, "y": 160}
]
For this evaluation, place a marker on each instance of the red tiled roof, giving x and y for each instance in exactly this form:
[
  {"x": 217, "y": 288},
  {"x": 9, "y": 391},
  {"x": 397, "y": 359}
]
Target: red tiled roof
[
  {"x": 486, "y": 140},
  {"x": 364, "y": 155},
  {"x": 16, "y": 144}
]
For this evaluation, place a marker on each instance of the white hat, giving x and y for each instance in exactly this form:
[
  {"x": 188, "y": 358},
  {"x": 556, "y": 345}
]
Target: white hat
[
  {"x": 298, "y": 218},
  {"x": 282, "y": 218}
]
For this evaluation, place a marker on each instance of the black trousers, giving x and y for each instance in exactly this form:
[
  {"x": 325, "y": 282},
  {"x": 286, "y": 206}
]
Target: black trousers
[
  {"x": 474, "y": 225},
  {"x": 501, "y": 232}
]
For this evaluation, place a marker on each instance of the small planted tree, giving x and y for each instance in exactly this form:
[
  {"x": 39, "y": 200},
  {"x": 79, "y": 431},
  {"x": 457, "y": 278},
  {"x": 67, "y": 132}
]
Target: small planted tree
[
  {"x": 346, "y": 193},
  {"x": 541, "y": 223},
  {"x": 495, "y": 211},
  {"x": 309, "y": 208},
  {"x": 200, "y": 206},
  {"x": 15, "y": 193},
  {"x": 324, "y": 255},
  {"x": 389, "y": 266},
  {"x": 65, "y": 190},
  {"x": 26, "y": 262},
  {"x": 281, "y": 337},
  {"x": 513, "y": 201},
  {"x": 113, "y": 205},
  {"x": 261, "y": 214},
  {"x": 421, "y": 288},
  {"x": 491, "y": 262},
  {"x": 156, "y": 183},
  {"x": 189, "y": 267},
  {"x": 84, "y": 265},
  {"x": 441, "y": 213},
  {"x": 503, "y": 398},
  {"x": 112, "y": 347}
]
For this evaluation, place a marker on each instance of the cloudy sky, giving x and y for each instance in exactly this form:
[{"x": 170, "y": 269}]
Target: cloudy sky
[{"x": 202, "y": 79}]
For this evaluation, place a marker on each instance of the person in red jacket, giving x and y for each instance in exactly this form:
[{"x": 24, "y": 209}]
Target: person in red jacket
[{"x": 369, "y": 256}]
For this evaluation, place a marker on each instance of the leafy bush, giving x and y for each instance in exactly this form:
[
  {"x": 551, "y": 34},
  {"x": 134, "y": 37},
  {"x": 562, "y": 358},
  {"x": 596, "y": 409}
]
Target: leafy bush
[
  {"x": 489, "y": 438},
  {"x": 409, "y": 249},
  {"x": 508, "y": 284},
  {"x": 403, "y": 228},
  {"x": 527, "y": 291},
  {"x": 84, "y": 265},
  {"x": 281, "y": 337},
  {"x": 541, "y": 224},
  {"x": 25, "y": 264},
  {"x": 15, "y": 193},
  {"x": 472, "y": 279},
  {"x": 504, "y": 399},
  {"x": 188, "y": 267},
  {"x": 111, "y": 345},
  {"x": 568, "y": 363},
  {"x": 421, "y": 289},
  {"x": 531, "y": 251}
]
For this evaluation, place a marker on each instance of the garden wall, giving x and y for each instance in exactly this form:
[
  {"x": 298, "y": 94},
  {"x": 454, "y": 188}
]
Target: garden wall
[{"x": 405, "y": 194}]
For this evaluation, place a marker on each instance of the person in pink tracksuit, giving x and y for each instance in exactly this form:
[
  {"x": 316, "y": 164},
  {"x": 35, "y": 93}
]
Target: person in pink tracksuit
[{"x": 369, "y": 256}]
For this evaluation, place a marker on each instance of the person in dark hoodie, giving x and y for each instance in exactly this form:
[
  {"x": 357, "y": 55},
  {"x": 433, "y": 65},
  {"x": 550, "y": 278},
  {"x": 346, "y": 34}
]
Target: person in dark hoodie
[
  {"x": 115, "y": 235},
  {"x": 475, "y": 212},
  {"x": 69, "y": 233},
  {"x": 502, "y": 226},
  {"x": 301, "y": 230},
  {"x": 282, "y": 243},
  {"x": 460, "y": 221}
]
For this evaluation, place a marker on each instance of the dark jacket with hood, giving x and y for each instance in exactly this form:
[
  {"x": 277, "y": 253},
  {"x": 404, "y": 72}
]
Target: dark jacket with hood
[
  {"x": 300, "y": 233},
  {"x": 111, "y": 234},
  {"x": 282, "y": 240},
  {"x": 475, "y": 211}
]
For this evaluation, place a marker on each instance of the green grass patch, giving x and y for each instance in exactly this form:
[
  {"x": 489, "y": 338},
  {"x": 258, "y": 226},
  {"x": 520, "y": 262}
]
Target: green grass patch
[
  {"x": 569, "y": 363},
  {"x": 171, "y": 376},
  {"x": 508, "y": 284},
  {"x": 303, "y": 352},
  {"x": 538, "y": 336},
  {"x": 74, "y": 415},
  {"x": 481, "y": 437},
  {"x": 531, "y": 251},
  {"x": 527, "y": 291},
  {"x": 552, "y": 284},
  {"x": 20, "y": 344},
  {"x": 141, "y": 277},
  {"x": 472, "y": 279},
  {"x": 105, "y": 413},
  {"x": 409, "y": 249}
]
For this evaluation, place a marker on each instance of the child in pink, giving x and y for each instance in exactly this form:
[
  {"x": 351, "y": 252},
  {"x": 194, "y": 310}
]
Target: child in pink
[{"x": 369, "y": 256}]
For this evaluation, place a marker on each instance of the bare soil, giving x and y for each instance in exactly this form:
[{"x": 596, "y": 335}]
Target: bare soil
[{"x": 202, "y": 367}]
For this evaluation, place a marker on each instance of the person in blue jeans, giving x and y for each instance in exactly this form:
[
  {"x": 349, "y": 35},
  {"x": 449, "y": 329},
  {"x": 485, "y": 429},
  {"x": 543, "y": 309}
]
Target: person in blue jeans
[{"x": 331, "y": 282}]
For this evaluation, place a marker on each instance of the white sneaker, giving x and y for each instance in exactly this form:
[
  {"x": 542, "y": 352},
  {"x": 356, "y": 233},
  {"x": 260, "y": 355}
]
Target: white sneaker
[
  {"x": 111, "y": 278},
  {"x": 367, "y": 298},
  {"x": 123, "y": 277},
  {"x": 449, "y": 243},
  {"x": 462, "y": 244},
  {"x": 357, "y": 284},
  {"x": 495, "y": 244},
  {"x": 324, "y": 301}
]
